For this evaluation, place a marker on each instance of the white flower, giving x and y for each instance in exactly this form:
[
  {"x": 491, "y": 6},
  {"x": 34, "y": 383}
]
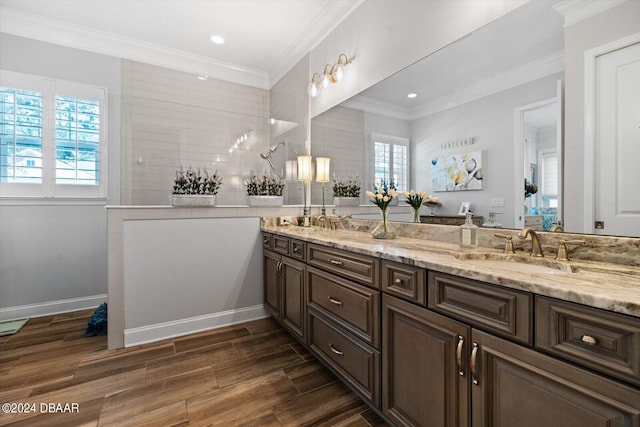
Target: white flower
[
  {"x": 379, "y": 196},
  {"x": 393, "y": 193},
  {"x": 371, "y": 195},
  {"x": 385, "y": 199},
  {"x": 380, "y": 190},
  {"x": 407, "y": 194}
]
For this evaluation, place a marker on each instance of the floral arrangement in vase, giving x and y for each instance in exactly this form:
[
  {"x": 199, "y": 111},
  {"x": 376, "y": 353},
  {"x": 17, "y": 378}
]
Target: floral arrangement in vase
[
  {"x": 195, "y": 188},
  {"x": 529, "y": 188},
  {"x": 264, "y": 186},
  {"x": 346, "y": 191},
  {"x": 382, "y": 197},
  {"x": 343, "y": 187},
  {"x": 415, "y": 200},
  {"x": 196, "y": 183}
]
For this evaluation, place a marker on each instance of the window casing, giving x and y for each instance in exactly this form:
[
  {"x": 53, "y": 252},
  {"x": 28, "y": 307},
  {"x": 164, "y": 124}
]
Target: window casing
[
  {"x": 53, "y": 141},
  {"x": 391, "y": 160}
]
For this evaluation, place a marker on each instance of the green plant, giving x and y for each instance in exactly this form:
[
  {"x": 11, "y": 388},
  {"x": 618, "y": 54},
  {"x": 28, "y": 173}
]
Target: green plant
[
  {"x": 264, "y": 185},
  {"x": 343, "y": 187},
  {"x": 195, "y": 182}
]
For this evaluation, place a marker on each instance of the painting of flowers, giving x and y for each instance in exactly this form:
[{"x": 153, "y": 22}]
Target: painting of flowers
[{"x": 457, "y": 172}]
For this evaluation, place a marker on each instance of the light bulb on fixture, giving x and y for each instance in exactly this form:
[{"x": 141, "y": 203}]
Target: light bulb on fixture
[
  {"x": 312, "y": 90},
  {"x": 338, "y": 69},
  {"x": 326, "y": 76}
]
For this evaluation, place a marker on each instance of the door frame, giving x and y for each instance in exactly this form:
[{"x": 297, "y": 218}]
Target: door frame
[
  {"x": 518, "y": 154},
  {"x": 589, "y": 176}
]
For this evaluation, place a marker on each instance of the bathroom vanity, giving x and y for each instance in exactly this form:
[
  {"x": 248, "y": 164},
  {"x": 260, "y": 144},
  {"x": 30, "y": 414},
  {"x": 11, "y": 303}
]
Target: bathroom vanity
[{"x": 430, "y": 335}]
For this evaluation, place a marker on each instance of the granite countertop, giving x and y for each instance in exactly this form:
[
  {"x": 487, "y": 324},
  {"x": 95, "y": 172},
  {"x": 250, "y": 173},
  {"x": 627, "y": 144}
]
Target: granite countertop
[{"x": 607, "y": 286}]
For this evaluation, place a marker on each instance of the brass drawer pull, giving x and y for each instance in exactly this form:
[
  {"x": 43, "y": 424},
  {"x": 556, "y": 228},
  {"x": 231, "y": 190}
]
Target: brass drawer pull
[
  {"x": 334, "y": 301},
  {"x": 474, "y": 357},
  {"x": 459, "y": 354},
  {"x": 266, "y": 241},
  {"x": 589, "y": 340},
  {"x": 296, "y": 249},
  {"x": 397, "y": 281},
  {"x": 335, "y": 262},
  {"x": 338, "y": 352}
]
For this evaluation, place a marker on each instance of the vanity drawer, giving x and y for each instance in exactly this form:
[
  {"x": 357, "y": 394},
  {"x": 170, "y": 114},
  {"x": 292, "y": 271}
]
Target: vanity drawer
[
  {"x": 405, "y": 281},
  {"x": 605, "y": 341},
  {"x": 297, "y": 249},
  {"x": 503, "y": 311},
  {"x": 280, "y": 244},
  {"x": 355, "y": 307},
  {"x": 357, "y": 362},
  {"x": 360, "y": 268}
]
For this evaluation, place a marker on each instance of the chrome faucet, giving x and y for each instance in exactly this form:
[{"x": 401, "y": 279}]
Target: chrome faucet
[{"x": 536, "y": 248}]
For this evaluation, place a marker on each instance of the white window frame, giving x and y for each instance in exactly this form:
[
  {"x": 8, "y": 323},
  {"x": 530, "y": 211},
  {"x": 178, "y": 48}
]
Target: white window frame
[
  {"x": 48, "y": 188},
  {"x": 391, "y": 140}
]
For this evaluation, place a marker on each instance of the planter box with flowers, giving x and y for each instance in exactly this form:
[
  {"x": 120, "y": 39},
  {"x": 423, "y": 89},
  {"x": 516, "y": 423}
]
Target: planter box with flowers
[
  {"x": 264, "y": 191},
  {"x": 346, "y": 192},
  {"x": 193, "y": 188}
]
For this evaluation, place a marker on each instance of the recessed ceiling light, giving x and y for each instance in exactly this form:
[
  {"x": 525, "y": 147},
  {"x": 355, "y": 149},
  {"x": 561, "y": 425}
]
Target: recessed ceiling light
[
  {"x": 412, "y": 95},
  {"x": 202, "y": 77},
  {"x": 217, "y": 39}
]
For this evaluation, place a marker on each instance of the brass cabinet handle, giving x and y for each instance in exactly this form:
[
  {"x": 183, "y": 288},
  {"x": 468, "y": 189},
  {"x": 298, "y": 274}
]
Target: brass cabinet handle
[
  {"x": 335, "y": 262},
  {"x": 474, "y": 356},
  {"x": 398, "y": 281},
  {"x": 459, "y": 348},
  {"x": 335, "y": 301},
  {"x": 589, "y": 340},
  {"x": 279, "y": 267},
  {"x": 338, "y": 352}
]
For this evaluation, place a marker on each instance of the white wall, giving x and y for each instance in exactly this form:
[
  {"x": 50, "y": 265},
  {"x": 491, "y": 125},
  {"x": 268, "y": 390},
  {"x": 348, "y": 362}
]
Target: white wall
[
  {"x": 170, "y": 118},
  {"x": 590, "y": 33},
  {"x": 383, "y": 37},
  {"x": 53, "y": 254},
  {"x": 182, "y": 275}
]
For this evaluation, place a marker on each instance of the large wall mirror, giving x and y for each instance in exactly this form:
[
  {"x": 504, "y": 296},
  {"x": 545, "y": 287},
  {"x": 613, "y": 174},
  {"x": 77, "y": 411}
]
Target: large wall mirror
[{"x": 469, "y": 97}]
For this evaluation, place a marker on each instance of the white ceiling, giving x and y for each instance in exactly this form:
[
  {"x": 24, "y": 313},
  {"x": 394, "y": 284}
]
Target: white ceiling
[{"x": 264, "y": 38}]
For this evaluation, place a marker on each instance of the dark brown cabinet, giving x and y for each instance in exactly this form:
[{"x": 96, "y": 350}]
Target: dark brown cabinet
[
  {"x": 517, "y": 386},
  {"x": 433, "y": 349},
  {"x": 284, "y": 285},
  {"x": 425, "y": 366}
]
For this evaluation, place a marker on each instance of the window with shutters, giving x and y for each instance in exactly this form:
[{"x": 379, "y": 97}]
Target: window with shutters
[
  {"x": 549, "y": 176},
  {"x": 391, "y": 160},
  {"x": 52, "y": 138}
]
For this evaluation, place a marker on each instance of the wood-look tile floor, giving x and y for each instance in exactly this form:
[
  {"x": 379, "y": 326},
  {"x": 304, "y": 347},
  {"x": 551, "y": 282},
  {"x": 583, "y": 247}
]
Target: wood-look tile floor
[{"x": 250, "y": 374}]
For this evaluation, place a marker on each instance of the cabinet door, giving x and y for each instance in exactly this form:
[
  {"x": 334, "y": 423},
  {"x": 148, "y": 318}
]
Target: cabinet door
[
  {"x": 293, "y": 301},
  {"x": 425, "y": 373},
  {"x": 271, "y": 274},
  {"x": 519, "y": 387}
]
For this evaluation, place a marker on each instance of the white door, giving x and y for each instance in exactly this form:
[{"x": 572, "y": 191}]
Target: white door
[{"x": 617, "y": 151}]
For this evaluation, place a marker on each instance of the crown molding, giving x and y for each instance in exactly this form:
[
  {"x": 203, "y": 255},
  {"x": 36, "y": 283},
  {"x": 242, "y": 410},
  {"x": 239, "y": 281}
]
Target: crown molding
[
  {"x": 53, "y": 31},
  {"x": 329, "y": 18},
  {"x": 509, "y": 79},
  {"x": 575, "y": 11}
]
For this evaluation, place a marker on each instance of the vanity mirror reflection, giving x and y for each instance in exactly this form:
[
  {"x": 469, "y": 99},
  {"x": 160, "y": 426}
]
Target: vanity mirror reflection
[{"x": 468, "y": 91}]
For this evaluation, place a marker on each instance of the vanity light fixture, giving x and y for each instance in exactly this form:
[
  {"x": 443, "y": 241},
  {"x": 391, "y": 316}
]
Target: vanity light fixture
[
  {"x": 291, "y": 170},
  {"x": 330, "y": 74},
  {"x": 322, "y": 176}
]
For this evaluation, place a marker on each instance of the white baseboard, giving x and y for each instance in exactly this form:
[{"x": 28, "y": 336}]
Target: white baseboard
[
  {"x": 51, "y": 307},
  {"x": 176, "y": 328}
]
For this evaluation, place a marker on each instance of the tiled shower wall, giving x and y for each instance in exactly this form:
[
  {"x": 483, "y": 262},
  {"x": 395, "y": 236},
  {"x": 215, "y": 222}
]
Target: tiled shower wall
[{"x": 172, "y": 119}]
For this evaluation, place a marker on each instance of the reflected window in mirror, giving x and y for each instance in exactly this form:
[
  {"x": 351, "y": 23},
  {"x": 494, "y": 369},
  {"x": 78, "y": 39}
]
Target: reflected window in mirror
[{"x": 391, "y": 160}]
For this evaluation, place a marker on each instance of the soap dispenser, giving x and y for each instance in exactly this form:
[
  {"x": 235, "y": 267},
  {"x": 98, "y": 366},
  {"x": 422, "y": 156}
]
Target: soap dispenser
[{"x": 468, "y": 233}]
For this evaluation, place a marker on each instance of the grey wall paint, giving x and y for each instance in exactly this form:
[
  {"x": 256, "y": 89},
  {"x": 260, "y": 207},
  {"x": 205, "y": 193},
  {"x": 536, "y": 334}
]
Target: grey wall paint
[{"x": 48, "y": 251}]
